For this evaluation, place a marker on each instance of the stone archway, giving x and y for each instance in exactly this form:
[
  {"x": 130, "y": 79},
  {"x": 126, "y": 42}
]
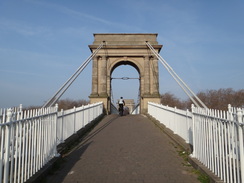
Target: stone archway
[
  {"x": 125, "y": 49},
  {"x": 128, "y": 68}
]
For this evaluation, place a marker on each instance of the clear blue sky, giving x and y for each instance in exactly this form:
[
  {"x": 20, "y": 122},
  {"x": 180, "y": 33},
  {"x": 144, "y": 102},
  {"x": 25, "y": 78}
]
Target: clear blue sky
[{"x": 43, "y": 42}]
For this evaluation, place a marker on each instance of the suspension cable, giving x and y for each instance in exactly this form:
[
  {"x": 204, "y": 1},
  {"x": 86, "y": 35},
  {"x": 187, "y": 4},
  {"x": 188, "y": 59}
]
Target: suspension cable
[
  {"x": 113, "y": 104},
  {"x": 138, "y": 99},
  {"x": 139, "y": 95},
  {"x": 181, "y": 83},
  {"x": 112, "y": 95},
  {"x": 67, "y": 84}
]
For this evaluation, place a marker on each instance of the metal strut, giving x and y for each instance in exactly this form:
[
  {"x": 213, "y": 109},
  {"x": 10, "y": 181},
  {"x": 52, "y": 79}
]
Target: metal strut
[
  {"x": 125, "y": 78},
  {"x": 67, "y": 84},
  {"x": 182, "y": 84}
]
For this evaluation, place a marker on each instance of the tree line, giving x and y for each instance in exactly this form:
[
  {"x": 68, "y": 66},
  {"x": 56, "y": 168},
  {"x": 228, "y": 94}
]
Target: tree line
[
  {"x": 213, "y": 99},
  {"x": 64, "y": 104},
  {"x": 69, "y": 103}
]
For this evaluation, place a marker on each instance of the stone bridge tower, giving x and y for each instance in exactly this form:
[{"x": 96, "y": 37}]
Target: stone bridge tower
[{"x": 125, "y": 49}]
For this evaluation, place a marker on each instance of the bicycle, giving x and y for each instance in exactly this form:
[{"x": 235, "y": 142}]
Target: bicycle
[{"x": 121, "y": 109}]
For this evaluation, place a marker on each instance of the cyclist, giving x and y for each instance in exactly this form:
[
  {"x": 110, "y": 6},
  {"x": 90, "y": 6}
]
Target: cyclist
[{"x": 121, "y": 106}]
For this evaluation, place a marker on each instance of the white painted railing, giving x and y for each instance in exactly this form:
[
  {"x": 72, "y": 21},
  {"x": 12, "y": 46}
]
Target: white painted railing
[
  {"x": 177, "y": 120},
  {"x": 113, "y": 109},
  {"x": 218, "y": 142},
  {"x": 72, "y": 120},
  {"x": 216, "y": 136},
  {"x": 136, "y": 110},
  {"x": 28, "y": 142},
  {"x": 29, "y": 139}
]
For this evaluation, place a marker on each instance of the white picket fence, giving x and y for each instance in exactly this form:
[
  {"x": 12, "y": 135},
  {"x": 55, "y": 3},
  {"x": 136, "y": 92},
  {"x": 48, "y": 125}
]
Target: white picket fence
[
  {"x": 29, "y": 139},
  {"x": 216, "y": 136}
]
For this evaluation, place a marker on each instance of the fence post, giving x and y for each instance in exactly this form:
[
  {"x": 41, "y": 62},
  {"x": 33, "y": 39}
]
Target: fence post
[
  {"x": 175, "y": 122},
  {"x": 188, "y": 127},
  {"x": 230, "y": 113},
  {"x": 7, "y": 146},
  {"x": 82, "y": 116},
  {"x": 193, "y": 131},
  {"x": 20, "y": 108},
  {"x": 92, "y": 111},
  {"x": 62, "y": 126},
  {"x": 56, "y": 154},
  {"x": 240, "y": 128},
  {"x": 89, "y": 112},
  {"x": 74, "y": 119}
]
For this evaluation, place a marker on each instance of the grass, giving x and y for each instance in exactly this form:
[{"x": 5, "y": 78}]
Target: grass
[{"x": 201, "y": 177}]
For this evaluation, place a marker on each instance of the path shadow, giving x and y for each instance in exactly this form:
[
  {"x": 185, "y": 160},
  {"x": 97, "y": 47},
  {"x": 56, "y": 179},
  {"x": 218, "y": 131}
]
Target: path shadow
[
  {"x": 69, "y": 159},
  {"x": 95, "y": 132},
  {"x": 63, "y": 166}
]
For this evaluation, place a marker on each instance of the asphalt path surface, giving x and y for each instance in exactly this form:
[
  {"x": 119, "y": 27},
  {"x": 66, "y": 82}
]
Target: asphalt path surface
[{"x": 127, "y": 149}]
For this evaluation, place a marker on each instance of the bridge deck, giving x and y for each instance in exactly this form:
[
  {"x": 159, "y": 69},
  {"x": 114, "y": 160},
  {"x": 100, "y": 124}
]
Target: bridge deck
[{"x": 124, "y": 149}]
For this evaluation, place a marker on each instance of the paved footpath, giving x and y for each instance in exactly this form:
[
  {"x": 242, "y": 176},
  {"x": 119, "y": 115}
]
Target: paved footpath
[{"x": 128, "y": 149}]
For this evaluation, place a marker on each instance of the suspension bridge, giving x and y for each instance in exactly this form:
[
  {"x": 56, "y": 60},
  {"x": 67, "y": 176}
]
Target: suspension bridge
[{"x": 128, "y": 148}]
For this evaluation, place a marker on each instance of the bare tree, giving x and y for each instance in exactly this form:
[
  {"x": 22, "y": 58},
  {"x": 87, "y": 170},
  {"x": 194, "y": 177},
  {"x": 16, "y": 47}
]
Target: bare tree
[
  {"x": 69, "y": 103},
  {"x": 219, "y": 99},
  {"x": 213, "y": 99},
  {"x": 172, "y": 101}
]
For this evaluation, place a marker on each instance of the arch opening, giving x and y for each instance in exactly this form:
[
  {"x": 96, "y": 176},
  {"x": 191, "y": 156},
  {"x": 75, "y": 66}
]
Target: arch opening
[
  {"x": 129, "y": 88},
  {"x": 125, "y": 63}
]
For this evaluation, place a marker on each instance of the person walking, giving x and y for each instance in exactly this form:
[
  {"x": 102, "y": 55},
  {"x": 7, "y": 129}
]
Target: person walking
[{"x": 121, "y": 106}]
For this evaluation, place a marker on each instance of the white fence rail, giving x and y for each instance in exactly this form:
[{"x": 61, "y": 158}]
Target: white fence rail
[
  {"x": 216, "y": 136},
  {"x": 29, "y": 139},
  {"x": 218, "y": 142},
  {"x": 177, "y": 120},
  {"x": 72, "y": 120},
  {"x": 136, "y": 110}
]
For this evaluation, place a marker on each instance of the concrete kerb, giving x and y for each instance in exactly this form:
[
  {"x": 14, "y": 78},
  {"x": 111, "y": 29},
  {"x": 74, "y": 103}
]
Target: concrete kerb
[
  {"x": 199, "y": 166},
  {"x": 188, "y": 148},
  {"x": 62, "y": 148}
]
